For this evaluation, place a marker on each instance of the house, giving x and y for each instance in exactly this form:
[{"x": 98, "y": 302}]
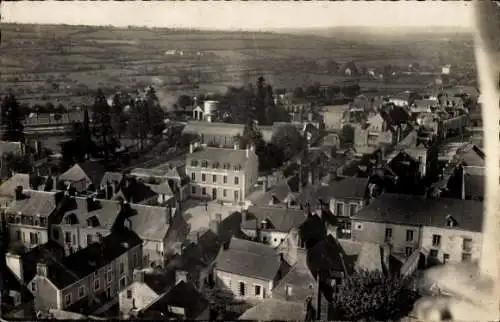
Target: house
[
  {"x": 85, "y": 176},
  {"x": 350, "y": 69},
  {"x": 205, "y": 113},
  {"x": 222, "y": 174},
  {"x": 247, "y": 269},
  {"x": 334, "y": 115},
  {"x": 181, "y": 302},
  {"x": 270, "y": 225},
  {"x": 30, "y": 215},
  {"x": 89, "y": 278},
  {"x": 6, "y": 148},
  {"x": 215, "y": 133},
  {"x": 82, "y": 221},
  {"x": 146, "y": 287},
  {"x": 403, "y": 99},
  {"x": 283, "y": 194},
  {"x": 408, "y": 222},
  {"x": 8, "y": 188},
  {"x": 158, "y": 227},
  {"x": 445, "y": 70}
]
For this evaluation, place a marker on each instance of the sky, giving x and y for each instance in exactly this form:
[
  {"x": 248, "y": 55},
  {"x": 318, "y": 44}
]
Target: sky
[{"x": 253, "y": 15}]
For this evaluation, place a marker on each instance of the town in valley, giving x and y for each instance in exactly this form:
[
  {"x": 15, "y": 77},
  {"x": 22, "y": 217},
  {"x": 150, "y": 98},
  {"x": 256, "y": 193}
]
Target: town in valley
[{"x": 166, "y": 174}]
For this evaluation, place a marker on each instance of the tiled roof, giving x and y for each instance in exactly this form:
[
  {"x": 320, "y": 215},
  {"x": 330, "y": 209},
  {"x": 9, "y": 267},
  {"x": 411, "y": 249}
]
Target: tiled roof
[
  {"x": 281, "y": 219},
  {"x": 214, "y": 128},
  {"x": 417, "y": 210},
  {"x": 86, "y": 261},
  {"x": 157, "y": 281},
  {"x": 8, "y": 187},
  {"x": 368, "y": 255},
  {"x": 279, "y": 192},
  {"x": 10, "y": 147},
  {"x": 220, "y": 155},
  {"x": 162, "y": 188},
  {"x": 247, "y": 258},
  {"x": 149, "y": 222},
  {"x": 275, "y": 310},
  {"x": 111, "y": 177},
  {"x": 45, "y": 252},
  {"x": 183, "y": 295},
  {"x": 35, "y": 203}
]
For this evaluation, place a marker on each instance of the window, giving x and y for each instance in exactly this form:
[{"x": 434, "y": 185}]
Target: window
[
  {"x": 203, "y": 177},
  {"x": 225, "y": 180},
  {"x": 193, "y": 176},
  {"x": 74, "y": 239},
  {"x": 236, "y": 196},
  {"x": 467, "y": 245},
  {"x": 242, "y": 289},
  {"x": 224, "y": 193},
  {"x": 194, "y": 163},
  {"x": 446, "y": 258},
  {"x": 109, "y": 276},
  {"x": 339, "y": 209},
  {"x": 67, "y": 237},
  {"x": 55, "y": 233},
  {"x": 129, "y": 294},
  {"x": 388, "y": 234},
  {"x": 214, "y": 178},
  {"x": 258, "y": 291},
  {"x": 237, "y": 167},
  {"x": 236, "y": 180},
  {"x": 433, "y": 253},
  {"x": 43, "y": 222},
  {"x": 353, "y": 209},
  {"x": 215, "y": 165},
  {"x": 204, "y": 164},
  {"x": 288, "y": 290},
  {"x": 408, "y": 251},
  {"x": 123, "y": 282},
  {"x": 67, "y": 299},
  {"x": 81, "y": 291},
  {"x": 409, "y": 235},
  {"x": 193, "y": 190},
  {"x": 33, "y": 239},
  {"x": 436, "y": 240},
  {"x": 33, "y": 286},
  {"x": 203, "y": 191},
  {"x": 466, "y": 257},
  {"x": 18, "y": 235},
  {"x": 122, "y": 268},
  {"x": 89, "y": 239},
  {"x": 97, "y": 284}
]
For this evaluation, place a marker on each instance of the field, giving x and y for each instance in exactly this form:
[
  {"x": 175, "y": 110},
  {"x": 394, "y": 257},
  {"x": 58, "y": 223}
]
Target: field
[{"x": 65, "y": 64}]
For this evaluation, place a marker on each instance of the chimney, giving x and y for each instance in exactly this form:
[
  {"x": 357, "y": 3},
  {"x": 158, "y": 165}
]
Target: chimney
[
  {"x": 138, "y": 276},
  {"x": 191, "y": 147},
  {"x": 41, "y": 269},
  {"x": 15, "y": 264},
  {"x": 19, "y": 193},
  {"x": 462, "y": 183},
  {"x": 180, "y": 276},
  {"x": 264, "y": 184},
  {"x": 236, "y": 146},
  {"x": 91, "y": 204},
  {"x": 169, "y": 214}
]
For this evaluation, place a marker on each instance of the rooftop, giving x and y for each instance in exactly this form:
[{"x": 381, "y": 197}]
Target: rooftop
[
  {"x": 419, "y": 211},
  {"x": 111, "y": 177},
  {"x": 82, "y": 171},
  {"x": 149, "y": 222},
  {"x": 214, "y": 128},
  {"x": 106, "y": 211},
  {"x": 10, "y": 147},
  {"x": 249, "y": 258},
  {"x": 8, "y": 187},
  {"x": 342, "y": 188},
  {"x": 35, "y": 203},
  {"x": 219, "y": 155},
  {"x": 280, "y": 219},
  {"x": 275, "y": 310},
  {"x": 86, "y": 261}
]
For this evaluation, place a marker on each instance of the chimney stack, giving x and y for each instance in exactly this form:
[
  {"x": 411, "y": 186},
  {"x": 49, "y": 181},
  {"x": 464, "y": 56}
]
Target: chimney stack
[
  {"x": 236, "y": 146},
  {"x": 19, "y": 193},
  {"x": 462, "y": 183},
  {"x": 41, "y": 269},
  {"x": 265, "y": 184}
]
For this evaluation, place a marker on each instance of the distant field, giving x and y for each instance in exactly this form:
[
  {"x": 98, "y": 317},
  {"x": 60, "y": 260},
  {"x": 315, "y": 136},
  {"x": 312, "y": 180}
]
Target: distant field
[{"x": 68, "y": 63}]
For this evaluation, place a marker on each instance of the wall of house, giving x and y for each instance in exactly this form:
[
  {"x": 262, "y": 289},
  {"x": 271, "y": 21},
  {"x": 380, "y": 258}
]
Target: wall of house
[
  {"x": 209, "y": 185},
  {"x": 452, "y": 243},
  {"x": 333, "y": 120},
  {"x": 252, "y": 173},
  {"x": 13, "y": 262},
  {"x": 374, "y": 232},
  {"x": 271, "y": 238},
  {"x": 152, "y": 251},
  {"x": 231, "y": 282},
  {"x": 78, "y": 235},
  {"x": 142, "y": 296},
  {"x": 46, "y": 295},
  {"x": 360, "y": 203},
  {"x": 25, "y": 231},
  {"x": 87, "y": 284},
  {"x": 297, "y": 291}
]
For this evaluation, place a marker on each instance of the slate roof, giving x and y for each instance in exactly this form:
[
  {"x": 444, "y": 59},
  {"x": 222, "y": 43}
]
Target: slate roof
[
  {"x": 40, "y": 203},
  {"x": 281, "y": 219},
  {"x": 220, "y": 155},
  {"x": 474, "y": 186},
  {"x": 247, "y": 258},
  {"x": 419, "y": 211},
  {"x": 162, "y": 188},
  {"x": 149, "y": 222},
  {"x": 279, "y": 192},
  {"x": 8, "y": 187},
  {"x": 82, "y": 171},
  {"x": 214, "y": 128},
  {"x": 86, "y": 261},
  {"x": 275, "y": 310},
  {"x": 341, "y": 188},
  {"x": 111, "y": 177},
  {"x": 157, "y": 281},
  {"x": 107, "y": 211},
  {"x": 183, "y": 295}
]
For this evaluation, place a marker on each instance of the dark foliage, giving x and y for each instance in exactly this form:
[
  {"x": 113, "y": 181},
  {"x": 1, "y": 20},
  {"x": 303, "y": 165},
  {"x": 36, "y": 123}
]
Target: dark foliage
[{"x": 12, "y": 118}]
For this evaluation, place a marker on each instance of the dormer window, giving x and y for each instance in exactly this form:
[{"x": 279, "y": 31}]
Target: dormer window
[
  {"x": 215, "y": 165},
  {"x": 204, "y": 164},
  {"x": 265, "y": 224},
  {"x": 450, "y": 221},
  {"x": 93, "y": 221},
  {"x": 194, "y": 163},
  {"x": 237, "y": 167}
]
